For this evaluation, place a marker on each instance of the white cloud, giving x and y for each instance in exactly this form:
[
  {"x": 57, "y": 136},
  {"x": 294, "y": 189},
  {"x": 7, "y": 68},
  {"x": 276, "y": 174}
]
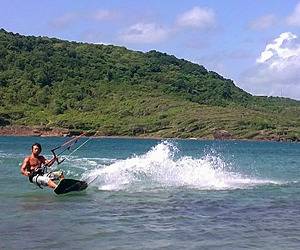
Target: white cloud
[
  {"x": 145, "y": 33},
  {"x": 64, "y": 20},
  {"x": 263, "y": 22},
  {"x": 294, "y": 18},
  {"x": 197, "y": 18},
  {"x": 101, "y": 15},
  {"x": 70, "y": 18},
  {"x": 277, "y": 69},
  {"x": 280, "y": 52}
]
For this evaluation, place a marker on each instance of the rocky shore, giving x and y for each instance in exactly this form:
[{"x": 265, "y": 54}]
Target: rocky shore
[
  {"x": 60, "y": 132},
  {"x": 32, "y": 131}
]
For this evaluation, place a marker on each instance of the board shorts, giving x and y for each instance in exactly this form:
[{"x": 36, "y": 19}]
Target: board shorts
[{"x": 43, "y": 179}]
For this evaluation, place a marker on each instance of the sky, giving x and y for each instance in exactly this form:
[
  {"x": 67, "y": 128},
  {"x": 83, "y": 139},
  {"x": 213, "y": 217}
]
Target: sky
[{"x": 256, "y": 43}]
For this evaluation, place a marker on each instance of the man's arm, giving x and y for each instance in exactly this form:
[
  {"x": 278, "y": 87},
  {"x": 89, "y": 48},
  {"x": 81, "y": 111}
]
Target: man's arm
[
  {"x": 49, "y": 163},
  {"x": 24, "y": 165}
]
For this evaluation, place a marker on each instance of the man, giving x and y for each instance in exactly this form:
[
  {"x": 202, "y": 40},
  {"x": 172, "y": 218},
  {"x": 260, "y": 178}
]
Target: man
[{"x": 33, "y": 167}]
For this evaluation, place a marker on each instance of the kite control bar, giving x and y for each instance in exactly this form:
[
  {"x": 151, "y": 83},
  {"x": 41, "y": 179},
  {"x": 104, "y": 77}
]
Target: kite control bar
[{"x": 64, "y": 147}]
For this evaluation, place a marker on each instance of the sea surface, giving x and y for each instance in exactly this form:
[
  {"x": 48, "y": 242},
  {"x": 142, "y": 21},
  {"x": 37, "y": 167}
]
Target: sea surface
[{"x": 155, "y": 194}]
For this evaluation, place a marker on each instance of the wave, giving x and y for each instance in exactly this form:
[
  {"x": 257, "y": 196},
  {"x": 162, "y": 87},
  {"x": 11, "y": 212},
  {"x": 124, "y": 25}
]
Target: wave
[
  {"x": 6, "y": 155},
  {"x": 161, "y": 167}
]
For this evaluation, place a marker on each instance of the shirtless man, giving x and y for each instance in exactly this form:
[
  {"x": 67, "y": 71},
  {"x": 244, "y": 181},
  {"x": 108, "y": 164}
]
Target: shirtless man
[{"x": 32, "y": 167}]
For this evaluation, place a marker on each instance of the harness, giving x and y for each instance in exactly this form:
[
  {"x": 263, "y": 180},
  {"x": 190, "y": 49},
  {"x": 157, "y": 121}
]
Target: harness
[{"x": 39, "y": 171}]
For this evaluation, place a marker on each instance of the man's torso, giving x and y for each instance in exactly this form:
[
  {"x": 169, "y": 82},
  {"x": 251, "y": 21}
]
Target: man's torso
[{"x": 35, "y": 162}]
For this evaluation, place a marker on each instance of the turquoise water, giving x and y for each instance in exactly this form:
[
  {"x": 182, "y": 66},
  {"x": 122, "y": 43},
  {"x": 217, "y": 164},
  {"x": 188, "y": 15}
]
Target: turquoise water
[{"x": 152, "y": 194}]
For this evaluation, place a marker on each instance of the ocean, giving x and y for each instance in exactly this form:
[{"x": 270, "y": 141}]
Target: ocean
[{"x": 155, "y": 194}]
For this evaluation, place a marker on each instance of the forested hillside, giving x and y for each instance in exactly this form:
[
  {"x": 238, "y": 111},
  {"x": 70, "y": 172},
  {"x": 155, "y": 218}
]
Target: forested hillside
[{"x": 53, "y": 83}]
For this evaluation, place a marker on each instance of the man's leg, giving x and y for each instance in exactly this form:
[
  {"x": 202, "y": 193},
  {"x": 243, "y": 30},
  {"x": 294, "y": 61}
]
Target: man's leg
[
  {"x": 62, "y": 176},
  {"x": 56, "y": 175},
  {"x": 52, "y": 184},
  {"x": 44, "y": 180}
]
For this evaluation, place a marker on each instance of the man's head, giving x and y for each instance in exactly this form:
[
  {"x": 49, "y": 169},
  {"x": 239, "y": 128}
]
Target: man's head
[{"x": 36, "y": 148}]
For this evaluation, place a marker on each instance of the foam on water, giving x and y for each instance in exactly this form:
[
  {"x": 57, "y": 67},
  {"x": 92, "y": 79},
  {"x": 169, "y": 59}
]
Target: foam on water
[{"x": 161, "y": 168}]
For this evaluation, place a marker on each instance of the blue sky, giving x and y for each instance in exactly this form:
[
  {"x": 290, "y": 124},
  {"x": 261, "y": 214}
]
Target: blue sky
[{"x": 254, "y": 42}]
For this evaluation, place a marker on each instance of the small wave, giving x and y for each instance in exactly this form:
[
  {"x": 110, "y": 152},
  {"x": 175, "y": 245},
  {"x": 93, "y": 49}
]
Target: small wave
[
  {"x": 75, "y": 166},
  {"x": 5, "y": 155},
  {"x": 91, "y": 162},
  {"x": 161, "y": 167}
]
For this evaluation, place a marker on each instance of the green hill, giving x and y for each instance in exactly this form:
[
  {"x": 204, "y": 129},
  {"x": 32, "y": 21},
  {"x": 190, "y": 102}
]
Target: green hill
[{"x": 54, "y": 83}]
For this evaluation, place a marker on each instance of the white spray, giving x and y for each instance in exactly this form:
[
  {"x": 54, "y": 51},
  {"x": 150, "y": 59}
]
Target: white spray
[{"x": 159, "y": 168}]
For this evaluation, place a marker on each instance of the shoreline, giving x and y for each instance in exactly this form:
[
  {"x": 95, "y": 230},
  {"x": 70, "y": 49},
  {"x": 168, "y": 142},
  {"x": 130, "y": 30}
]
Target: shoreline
[
  {"x": 32, "y": 131},
  {"x": 38, "y": 131}
]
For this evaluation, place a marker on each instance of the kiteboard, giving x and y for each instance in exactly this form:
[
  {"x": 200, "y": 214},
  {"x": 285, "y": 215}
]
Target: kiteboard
[{"x": 70, "y": 185}]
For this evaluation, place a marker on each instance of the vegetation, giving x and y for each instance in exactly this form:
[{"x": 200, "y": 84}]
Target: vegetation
[{"x": 54, "y": 83}]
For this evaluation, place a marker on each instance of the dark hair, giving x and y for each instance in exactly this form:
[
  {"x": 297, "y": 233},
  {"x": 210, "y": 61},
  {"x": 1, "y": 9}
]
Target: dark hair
[{"x": 38, "y": 145}]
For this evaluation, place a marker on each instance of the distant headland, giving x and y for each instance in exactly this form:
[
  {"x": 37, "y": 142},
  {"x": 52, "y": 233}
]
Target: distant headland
[{"x": 53, "y": 87}]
